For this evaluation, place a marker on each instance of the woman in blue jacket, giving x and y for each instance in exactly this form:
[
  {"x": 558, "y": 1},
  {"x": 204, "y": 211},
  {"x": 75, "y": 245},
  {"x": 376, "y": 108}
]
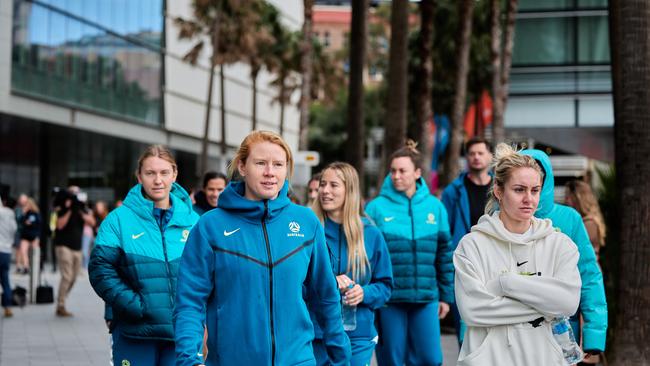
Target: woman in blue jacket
[
  {"x": 415, "y": 226},
  {"x": 134, "y": 264},
  {"x": 245, "y": 266},
  {"x": 359, "y": 257}
]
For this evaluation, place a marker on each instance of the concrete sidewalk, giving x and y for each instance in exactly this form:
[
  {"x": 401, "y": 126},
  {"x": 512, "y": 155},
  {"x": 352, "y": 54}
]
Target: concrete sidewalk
[{"x": 34, "y": 336}]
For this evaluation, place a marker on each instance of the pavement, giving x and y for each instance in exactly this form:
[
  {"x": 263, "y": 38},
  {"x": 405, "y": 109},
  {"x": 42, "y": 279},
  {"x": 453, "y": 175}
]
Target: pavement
[{"x": 34, "y": 336}]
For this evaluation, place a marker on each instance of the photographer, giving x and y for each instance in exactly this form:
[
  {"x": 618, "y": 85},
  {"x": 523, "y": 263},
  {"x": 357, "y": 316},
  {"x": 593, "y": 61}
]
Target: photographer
[{"x": 72, "y": 215}]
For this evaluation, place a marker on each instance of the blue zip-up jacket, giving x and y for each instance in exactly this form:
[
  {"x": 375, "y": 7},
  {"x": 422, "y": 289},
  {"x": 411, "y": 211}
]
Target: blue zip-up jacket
[
  {"x": 417, "y": 234},
  {"x": 245, "y": 264},
  {"x": 134, "y": 263},
  {"x": 593, "y": 304},
  {"x": 456, "y": 201},
  {"x": 377, "y": 283}
]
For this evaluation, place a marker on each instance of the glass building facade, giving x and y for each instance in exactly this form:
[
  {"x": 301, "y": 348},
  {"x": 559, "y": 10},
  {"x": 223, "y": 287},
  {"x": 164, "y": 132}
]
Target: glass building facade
[
  {"x": 104, "y": 56},
  {"x": 561, "y": 47}
]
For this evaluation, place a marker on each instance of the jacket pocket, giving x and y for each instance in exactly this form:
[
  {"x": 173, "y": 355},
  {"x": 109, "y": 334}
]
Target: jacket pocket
[{"x": 481, "y": 354}]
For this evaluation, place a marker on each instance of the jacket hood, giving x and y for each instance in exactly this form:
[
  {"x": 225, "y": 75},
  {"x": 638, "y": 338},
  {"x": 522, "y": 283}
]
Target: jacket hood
[
  {"x": 232, "y": 199},
  {"x": 389, "y": 191},
  {"x": 547, "y": 196},
  {"x": 181, "y": 204},
  {"x": 492, "y": 225}
]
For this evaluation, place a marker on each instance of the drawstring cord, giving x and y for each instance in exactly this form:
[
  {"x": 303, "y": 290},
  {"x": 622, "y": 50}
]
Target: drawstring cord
[{"x": 508, "y": 335}]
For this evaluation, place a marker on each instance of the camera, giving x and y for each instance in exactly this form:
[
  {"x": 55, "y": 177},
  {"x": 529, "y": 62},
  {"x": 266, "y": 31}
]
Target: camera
[{"x": 61, "y": 195}]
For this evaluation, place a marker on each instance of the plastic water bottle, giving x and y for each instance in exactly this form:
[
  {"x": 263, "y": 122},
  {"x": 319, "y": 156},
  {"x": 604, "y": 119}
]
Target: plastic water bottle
[
  {"x": 563, "y": 335},
  {"x": 349, "y": 314}
]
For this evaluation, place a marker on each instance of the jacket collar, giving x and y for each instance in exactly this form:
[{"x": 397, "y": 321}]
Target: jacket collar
[
  {"x": 389, "y": 191},
  {"x": 232, "y": 199},
  {"x": 143, "y": 207}
]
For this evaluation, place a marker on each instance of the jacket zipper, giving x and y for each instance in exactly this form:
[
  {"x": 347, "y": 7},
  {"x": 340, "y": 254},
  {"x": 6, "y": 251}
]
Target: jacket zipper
[
  {"x": 415, "y": 261},
  {"x": 169, "y": 277},
  {"x": 270, "y": 259}
]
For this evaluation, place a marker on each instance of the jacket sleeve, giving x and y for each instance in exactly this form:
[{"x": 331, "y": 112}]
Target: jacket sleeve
[
  {"x": 195, "y": 283},
  {"x": 371, "y": 212},
  {"x": 479, "y": 307},
  {"x": 593, "y": 304},
  {"x": 444, "y": 259},
  {"x": 104, "y": 276},
  {"x": 449, "y": 200},
  {"x": 555, "y": 295},
  {"x": 325, "y": 301},
  {"x": 377, "y": 292}
]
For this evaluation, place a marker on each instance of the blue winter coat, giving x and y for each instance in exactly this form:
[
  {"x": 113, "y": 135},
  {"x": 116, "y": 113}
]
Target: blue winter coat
[
  {"x": 417, "y": 233},
  {"x": 134, "y": 263},
  {"x": 456, "y": 201},
  {"x": 593, "y": 304},
  {"x": 248, "y": 261},
  {"x": 377, "y": 283}
]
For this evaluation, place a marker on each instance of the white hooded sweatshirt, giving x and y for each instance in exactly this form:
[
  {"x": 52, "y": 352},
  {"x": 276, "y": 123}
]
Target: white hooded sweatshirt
[{"x": 504, "y": 281}]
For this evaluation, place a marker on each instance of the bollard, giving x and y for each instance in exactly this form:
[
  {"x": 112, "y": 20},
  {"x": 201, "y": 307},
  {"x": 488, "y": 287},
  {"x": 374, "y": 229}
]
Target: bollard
[{"x": 34, "y": 274}]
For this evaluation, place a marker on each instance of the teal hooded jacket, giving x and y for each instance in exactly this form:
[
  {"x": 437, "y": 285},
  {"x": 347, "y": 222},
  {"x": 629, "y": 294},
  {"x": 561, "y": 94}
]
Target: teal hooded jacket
[
  {"x": 134, "y": 264},
  {"x": 418, "y": 238},
  {"x": 593, "y": 304}
]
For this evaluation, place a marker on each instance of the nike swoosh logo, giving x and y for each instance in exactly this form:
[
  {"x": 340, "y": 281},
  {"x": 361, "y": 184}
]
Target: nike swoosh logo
[
  {"x": 389, "y": 219},
  {"x": 521, "y": 264},
  {"x": 135, "y": 236},
  {"x": 228, "y": 233}
]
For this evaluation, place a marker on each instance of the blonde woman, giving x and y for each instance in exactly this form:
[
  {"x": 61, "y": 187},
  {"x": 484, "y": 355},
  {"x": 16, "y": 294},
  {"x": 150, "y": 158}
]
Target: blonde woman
[
  {"x": 580, "y": 196},
  {"x": 359, "y": 257},
  {"x": 245, "y": 266},
  {"x": 514, "y": 272},
  {"x": 30, "y": 231}
]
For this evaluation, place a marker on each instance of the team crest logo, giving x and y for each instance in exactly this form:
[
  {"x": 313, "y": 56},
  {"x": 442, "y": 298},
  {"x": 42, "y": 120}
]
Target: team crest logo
[
  {"x": 294, "y": 227},
  {"x": 126, "y": 363},
  {"x": 431, "y": 219},
  {"x": 185, "y": 234}
]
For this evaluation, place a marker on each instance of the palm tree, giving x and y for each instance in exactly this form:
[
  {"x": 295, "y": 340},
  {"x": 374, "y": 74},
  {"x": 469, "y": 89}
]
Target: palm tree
[
  {"x": 306, "y": 50},
  {"x": 466, "y": 9},
  {"x": 206, "y": 23},
  {"x": 396, "y": 122},
  {"x": 284, "y": 63},
  {"x": 501, "y": 63},
  {"x": 630, "y": 50},
  {"x": 355, "y": 126},
  {"x": 424, "y": 79}
]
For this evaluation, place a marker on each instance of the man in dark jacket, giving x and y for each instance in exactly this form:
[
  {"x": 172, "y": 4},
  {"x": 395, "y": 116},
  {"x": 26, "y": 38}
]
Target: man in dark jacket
[
  {"x": 213, "y": 184},
  {"x": 71, "y": 217},
  {"x": 465, "y": 199}
]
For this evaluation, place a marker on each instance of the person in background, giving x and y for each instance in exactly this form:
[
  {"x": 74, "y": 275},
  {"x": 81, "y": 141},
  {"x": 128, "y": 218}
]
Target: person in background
[
  {"x": 312, "y": 190},
  {"x": 514, "y": 273},
  {"x": 213, "y": 184},
  {"x": 593, "y": 303},
  {"x": 30, "y": 232},
  {"x": 465, "y": 200},
  {"x": 8, "y": 227},
  {"x": 71, "y": 216},
  {"x": 415, "y": 226},
  {"x": 359, "y": 257},
  {"x": 580, "y": 196},
  {"x": 18, "y": 212},
  {"x": 245, "y": 267},
  {"x": 134, "y": 265}
]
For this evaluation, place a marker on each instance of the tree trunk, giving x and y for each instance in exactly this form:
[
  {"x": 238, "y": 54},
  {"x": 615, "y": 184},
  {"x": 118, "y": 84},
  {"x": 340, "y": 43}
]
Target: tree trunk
[
  {"x": 356, "y": 124},
  {"x": 630, "y": 56},
  {"x": 282, "y": 101},
  {"x": 509, "y": 38},
  {"x": 466, "y": 9},
  {"x": 222, "y": 89},
  {"x": 307, "y": 69},
  {"x": 203, "y": 164},
  {"x": 498, "y": 134},
  {"x": 425, "y": 75},
  {"x": 395, "y": 125},
  {"x": 254, "y": 71}
]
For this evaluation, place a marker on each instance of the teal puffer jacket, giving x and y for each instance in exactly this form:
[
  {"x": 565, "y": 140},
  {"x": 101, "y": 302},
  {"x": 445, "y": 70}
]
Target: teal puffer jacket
[
  {"x": 134, "y": 264},
  {"x": 417, "y": 233},
  {"x": 593, "y": 304}
]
